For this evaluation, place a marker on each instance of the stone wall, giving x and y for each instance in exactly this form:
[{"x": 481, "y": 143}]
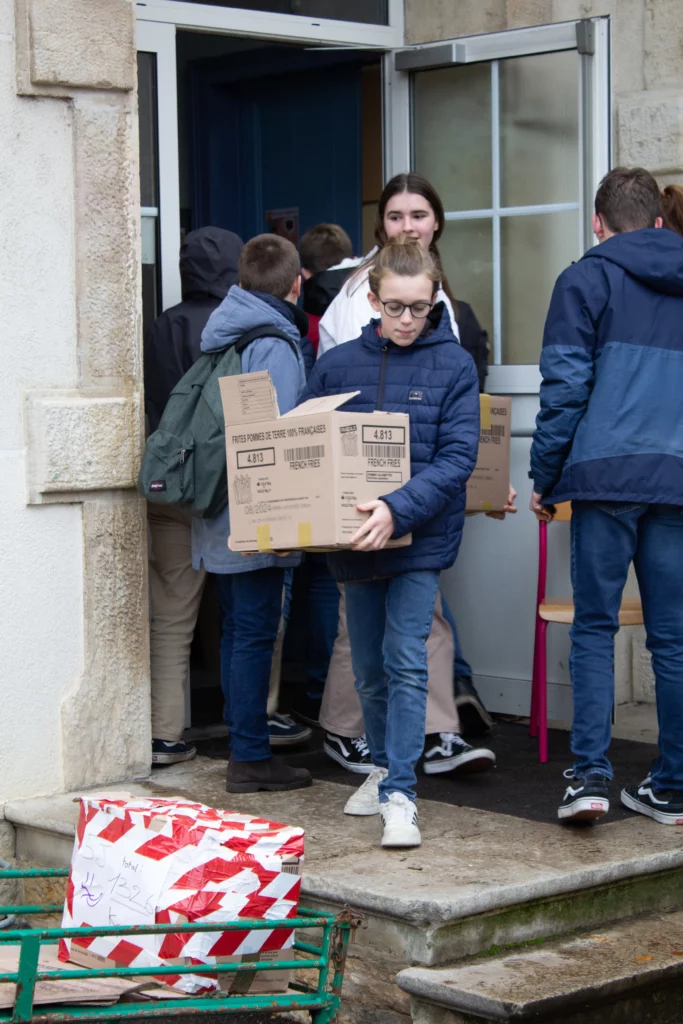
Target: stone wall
[{"x": 74, "y": 626}]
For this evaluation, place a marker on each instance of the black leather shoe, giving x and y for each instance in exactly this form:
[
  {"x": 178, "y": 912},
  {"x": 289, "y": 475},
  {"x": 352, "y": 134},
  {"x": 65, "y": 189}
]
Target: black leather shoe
[{"x": 273, "y": 774}]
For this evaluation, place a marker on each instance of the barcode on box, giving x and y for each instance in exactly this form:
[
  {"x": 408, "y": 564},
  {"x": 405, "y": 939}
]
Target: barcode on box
[
  {"x": 384, "y": 451},
  {"x": 495, "y": 430},
  {"x": 314, "y": 451}
]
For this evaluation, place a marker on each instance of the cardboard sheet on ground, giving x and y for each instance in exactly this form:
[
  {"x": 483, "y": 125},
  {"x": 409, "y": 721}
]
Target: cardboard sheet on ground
[{"x": 93, "y": 991}]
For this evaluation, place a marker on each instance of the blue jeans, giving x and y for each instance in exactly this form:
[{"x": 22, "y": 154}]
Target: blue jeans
[
  {"x": 606, "y": 537},
  {"x": 251, "y": 603},
  {"x": 461, "y": 667},
  {"x": 314, "y": 621},
  {"x": 389, "y": 621}
]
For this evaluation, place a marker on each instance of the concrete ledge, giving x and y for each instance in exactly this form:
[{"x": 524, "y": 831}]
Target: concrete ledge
[
  {"x": 80, "y": 442},
  {"x": 550, "y": 981}
]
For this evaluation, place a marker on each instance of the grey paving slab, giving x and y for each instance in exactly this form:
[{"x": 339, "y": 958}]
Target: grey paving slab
[
  {"x": 559, "y": 975},
  {"x": 470, "y": 862}
]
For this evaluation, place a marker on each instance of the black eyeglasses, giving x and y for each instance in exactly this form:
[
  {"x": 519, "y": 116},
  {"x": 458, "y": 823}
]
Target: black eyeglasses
[{"x": 418, "y": 310}]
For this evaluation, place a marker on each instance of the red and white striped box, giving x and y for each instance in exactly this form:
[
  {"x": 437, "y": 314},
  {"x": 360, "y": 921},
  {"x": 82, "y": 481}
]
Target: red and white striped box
[{"x": 155, "y": 861}]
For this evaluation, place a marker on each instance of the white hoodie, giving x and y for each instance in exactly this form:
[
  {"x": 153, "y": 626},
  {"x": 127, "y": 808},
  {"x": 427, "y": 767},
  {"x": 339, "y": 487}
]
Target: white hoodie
[{"x": 350, "y": 311}]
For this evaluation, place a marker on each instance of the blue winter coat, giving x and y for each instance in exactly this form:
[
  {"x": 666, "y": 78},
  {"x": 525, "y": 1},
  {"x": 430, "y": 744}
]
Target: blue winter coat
[
  {"x": 239, "y": 312},
  {"x": 611, "y": 421},
  {"x": 435, "y": 382}
]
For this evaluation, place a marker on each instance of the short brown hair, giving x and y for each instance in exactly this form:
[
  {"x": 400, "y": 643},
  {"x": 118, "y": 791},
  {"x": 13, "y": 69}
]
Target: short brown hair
[
  {"x": 323, "y": 246},
  {"x": 628, "y": 199},
  {"x": 269, "y": 263},
  {"x": 672, "y": 208}
]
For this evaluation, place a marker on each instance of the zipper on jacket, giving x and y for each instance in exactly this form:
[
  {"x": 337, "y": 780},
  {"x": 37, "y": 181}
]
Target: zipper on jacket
[{"x": 382, "y": 375}]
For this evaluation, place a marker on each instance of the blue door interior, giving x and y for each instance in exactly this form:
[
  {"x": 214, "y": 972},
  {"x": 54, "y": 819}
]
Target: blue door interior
[{"x": 276, "y": 129}]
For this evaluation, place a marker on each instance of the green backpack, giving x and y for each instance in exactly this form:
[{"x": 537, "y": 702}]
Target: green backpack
[{"x": 184, "y": 462}]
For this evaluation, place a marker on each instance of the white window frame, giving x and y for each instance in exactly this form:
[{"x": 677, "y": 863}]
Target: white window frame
[
  {"x": 157, "y": 22},
  {"x": 236, "y": 21},
  {"x": 590, "y": 37},
  {"x": 160, "y": 40}
]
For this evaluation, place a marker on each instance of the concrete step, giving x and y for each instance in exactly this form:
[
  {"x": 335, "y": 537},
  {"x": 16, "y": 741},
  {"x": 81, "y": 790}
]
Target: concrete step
[
  {"x": 633, "y": 972},
  {"x": 479, "y": 879}
]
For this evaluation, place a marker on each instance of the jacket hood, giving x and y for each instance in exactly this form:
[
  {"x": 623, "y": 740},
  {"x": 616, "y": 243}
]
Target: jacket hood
[
  {"x": 322, "y": 288},
  {"x": 653, "y": 256},
  {"x": 242, "y": 311},
  {"x": 208, "y": 262},
  {"x": 437, "y": 330}
]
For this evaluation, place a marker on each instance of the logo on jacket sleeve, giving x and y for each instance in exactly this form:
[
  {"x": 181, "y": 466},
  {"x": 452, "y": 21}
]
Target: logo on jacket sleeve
[{"x": 415, "y": 396}]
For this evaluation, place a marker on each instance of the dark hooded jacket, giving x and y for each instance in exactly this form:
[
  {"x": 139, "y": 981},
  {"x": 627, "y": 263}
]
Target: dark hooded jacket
[
  {"x": 611, "y": 421},
  {"x": 208, "y": 269}
]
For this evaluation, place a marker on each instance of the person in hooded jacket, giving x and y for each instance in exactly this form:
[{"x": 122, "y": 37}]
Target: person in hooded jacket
[
  {"x": 251, "y": 588},
  {"x": 609, "y": 438},
  {"x": 208, "y": 269}
]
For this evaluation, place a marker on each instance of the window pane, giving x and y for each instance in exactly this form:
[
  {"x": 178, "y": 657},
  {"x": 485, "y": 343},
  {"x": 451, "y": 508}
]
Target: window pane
[
  {"x": 147, "y": 122},
  {"x": 149, "y": 184},
  {"x": 539, "y": 129},
  {"x": 372, "y": 12},
  {"x": 466, "y": 253},
  {"x": 452, "y": 134},
  {"x": 535, "y": 250}
]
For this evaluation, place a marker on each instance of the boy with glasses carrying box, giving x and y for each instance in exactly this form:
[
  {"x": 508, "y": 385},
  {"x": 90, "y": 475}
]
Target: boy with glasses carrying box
[{"x": 408, "y": 361}]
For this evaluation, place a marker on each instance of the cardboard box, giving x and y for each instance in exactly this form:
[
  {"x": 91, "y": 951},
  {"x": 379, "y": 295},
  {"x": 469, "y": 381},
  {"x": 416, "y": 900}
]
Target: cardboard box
[
  {"x": 294, "y": 481},
  {"x": 147, "y": 860},
  {"x": 488, "y": 487}
]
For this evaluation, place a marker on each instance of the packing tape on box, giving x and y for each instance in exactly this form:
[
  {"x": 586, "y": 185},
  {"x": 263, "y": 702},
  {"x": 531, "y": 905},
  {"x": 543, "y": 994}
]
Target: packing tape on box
[
  {"x": 263, "y": 537},
  {"x": 305, "y": 535},
  {"x": 485, "y": 411},
  {"x": 487, "y": 506}
]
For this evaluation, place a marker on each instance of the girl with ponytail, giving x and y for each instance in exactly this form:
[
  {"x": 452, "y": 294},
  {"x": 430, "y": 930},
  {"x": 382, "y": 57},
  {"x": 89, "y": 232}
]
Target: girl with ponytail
[{"x": 409, "y": 206}]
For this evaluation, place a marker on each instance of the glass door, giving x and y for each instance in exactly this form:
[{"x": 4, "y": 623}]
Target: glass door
[{"x": 513, "y": 131}]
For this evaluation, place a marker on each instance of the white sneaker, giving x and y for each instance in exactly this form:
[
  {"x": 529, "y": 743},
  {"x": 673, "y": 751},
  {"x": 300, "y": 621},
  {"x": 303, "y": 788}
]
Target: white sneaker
[
  {"x": 365, "y": 800},
  {"x": 399, "y": 817}
]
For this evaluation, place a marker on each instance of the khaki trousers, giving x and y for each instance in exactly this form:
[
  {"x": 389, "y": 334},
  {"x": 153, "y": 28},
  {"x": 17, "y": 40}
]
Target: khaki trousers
[
  {"x": 341, "y": 712},
  {"x": 175, "y": 591}
]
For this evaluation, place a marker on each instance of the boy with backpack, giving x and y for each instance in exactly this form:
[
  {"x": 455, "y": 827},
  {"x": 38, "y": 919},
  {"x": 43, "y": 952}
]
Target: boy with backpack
[
  {"x": 251, "y": 588},
  {"x": 609, "y": 438}
]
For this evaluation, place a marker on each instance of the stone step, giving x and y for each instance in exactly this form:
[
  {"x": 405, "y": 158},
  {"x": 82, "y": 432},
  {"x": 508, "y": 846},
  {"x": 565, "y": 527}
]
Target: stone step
[
  {"x": 631, "y": 972},
  {"x": 479, "y": 879}
]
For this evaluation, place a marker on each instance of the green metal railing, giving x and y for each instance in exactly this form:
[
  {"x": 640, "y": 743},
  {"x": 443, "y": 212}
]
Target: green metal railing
[{"x": 328, "y": 958}]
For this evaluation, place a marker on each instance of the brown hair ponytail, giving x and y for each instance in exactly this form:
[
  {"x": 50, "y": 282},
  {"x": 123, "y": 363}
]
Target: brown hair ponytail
[
  {"x": 672, "y": 208},
  {"x": 406, "y": 258}
]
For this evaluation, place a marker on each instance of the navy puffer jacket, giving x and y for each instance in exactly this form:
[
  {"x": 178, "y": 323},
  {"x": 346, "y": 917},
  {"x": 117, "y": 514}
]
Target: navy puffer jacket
[{"x": 435, "y": 382}]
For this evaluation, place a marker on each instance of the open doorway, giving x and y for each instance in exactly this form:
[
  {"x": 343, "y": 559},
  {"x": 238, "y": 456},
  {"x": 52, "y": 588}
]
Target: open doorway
[
  {"x": 276, "y": 133},
  {"x": 271, "y": 137}
]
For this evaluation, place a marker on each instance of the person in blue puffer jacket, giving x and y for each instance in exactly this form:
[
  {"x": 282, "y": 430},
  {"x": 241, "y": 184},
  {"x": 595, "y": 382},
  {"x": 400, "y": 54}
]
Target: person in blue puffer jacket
[
  {"x": 609, "y": 438},
  {"x": 407, "y": 361}
]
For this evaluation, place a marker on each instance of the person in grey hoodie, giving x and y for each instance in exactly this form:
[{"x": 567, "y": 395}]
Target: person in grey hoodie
[{"x": 251, "y": 587}]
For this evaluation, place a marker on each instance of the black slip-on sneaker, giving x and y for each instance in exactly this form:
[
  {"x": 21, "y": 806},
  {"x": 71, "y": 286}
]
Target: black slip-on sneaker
[
  {"x": 586, "y": 798},
  {"x": 663, "y": 805}
]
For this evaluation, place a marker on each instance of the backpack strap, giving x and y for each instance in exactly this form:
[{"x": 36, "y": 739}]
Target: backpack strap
[{"x": 263, "y": 332}]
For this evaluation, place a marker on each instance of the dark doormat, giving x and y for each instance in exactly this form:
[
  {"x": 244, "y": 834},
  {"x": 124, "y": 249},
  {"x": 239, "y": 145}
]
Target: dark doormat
[{"x": 519, "y": 785}]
